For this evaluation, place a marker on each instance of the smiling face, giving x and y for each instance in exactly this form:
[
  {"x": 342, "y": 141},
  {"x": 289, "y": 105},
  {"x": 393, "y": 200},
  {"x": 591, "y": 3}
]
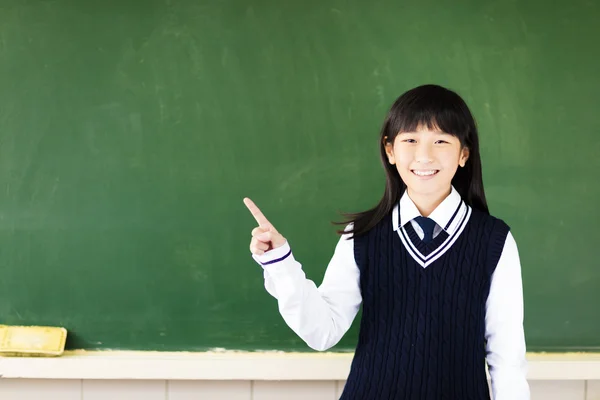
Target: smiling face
[{"x": 426, "y": 161}]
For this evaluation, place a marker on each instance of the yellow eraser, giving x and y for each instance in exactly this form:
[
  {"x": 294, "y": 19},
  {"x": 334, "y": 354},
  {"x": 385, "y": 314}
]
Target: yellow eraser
[{"x": 32, "y": 341}]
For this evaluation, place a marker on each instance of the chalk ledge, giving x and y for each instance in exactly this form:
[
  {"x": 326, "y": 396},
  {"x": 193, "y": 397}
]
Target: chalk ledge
[{"x": 231, "y": 365}]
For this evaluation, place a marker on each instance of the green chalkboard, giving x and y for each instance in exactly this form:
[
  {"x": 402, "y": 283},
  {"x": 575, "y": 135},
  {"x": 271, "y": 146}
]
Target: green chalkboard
[{"x": 131, "y": 131}]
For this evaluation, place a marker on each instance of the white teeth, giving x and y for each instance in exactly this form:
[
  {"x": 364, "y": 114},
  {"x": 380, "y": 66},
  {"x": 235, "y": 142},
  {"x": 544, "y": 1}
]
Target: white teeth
[{"x": 424, "y": 173}]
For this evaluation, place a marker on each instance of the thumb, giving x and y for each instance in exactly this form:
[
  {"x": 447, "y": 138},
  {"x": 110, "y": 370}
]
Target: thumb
[
  {"x": 277, "y": 239},
  {"x": 271, "y": 235}
]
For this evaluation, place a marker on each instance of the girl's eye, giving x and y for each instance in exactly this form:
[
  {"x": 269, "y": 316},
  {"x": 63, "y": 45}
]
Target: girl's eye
[
  {"x": 410, "y": 141},
  {"x": 441, "y": 141}
]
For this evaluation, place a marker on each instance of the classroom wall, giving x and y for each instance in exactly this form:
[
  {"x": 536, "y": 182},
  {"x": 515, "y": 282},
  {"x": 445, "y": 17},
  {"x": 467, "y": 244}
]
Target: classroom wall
[{"x": 35, "y": 389}]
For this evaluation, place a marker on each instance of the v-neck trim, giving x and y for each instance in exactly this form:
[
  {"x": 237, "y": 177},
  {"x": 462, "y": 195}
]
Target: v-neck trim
[{"x": 425, "y": 254}]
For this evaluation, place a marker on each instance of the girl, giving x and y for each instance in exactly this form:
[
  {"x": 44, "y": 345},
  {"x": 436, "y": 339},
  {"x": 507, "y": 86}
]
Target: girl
[{"x": 439, "y": 279}]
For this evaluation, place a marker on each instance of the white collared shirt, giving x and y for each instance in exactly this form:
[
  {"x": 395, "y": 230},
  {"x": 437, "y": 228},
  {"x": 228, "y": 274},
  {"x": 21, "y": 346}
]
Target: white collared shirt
[{"x": 322, "y": 315}]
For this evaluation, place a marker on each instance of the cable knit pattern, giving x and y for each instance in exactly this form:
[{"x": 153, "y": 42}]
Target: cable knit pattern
[{"x": 422, "y": 333}]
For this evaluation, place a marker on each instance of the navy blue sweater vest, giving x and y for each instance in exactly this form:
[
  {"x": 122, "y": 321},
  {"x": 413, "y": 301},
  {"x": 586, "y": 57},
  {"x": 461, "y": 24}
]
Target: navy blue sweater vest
[{"x": 422, "y": 332}]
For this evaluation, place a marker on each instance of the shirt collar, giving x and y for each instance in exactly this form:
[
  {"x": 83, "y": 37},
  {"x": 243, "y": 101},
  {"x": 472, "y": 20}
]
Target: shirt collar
[{"x": 406, "y": 210}]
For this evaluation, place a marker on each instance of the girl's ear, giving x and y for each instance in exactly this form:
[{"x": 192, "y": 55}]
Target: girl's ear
[
  {"x": 389, "y": 150},
  {"x": 464, "y": 156}
]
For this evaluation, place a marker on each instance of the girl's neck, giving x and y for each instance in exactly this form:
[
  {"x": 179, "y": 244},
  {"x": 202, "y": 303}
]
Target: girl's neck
[{"x": 427, "y": 203}]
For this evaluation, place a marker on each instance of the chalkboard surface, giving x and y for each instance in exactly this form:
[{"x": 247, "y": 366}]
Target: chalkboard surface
[{"x": 130, "y": 133}]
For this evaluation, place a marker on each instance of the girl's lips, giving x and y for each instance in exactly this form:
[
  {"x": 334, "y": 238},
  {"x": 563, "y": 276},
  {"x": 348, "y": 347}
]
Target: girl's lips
[{"x": 425, "y": 174}]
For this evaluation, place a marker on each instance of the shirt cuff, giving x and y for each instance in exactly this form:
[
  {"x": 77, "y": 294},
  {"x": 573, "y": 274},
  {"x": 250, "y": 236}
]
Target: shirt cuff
[{"x": 274, "y": 257}]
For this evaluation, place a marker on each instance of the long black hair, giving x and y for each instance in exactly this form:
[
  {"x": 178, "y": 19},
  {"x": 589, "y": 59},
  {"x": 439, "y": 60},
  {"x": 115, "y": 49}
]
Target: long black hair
[{"x": 435, "y": 107}]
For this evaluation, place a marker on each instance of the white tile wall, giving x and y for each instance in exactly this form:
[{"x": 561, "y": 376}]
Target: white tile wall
[
  {"x": 124, "y": 390},
  {"x": 217, "y": 390},
  {"x": 41, "y": 389},
  {"x": 37, "y": 389},
  {"x": 294, "y": 390},
  {"x": 593, "y": 390},
  {"x": 557, "y": 390},
  {"x": 339, "y": 388}
]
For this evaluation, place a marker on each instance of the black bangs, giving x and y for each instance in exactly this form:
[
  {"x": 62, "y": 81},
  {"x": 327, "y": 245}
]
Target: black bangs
[{"x": 433, "y": 107}]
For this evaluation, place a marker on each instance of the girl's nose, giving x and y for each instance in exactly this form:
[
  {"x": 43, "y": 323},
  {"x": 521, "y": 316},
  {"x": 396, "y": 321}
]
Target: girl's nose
[{"x": 423, "y": 153}]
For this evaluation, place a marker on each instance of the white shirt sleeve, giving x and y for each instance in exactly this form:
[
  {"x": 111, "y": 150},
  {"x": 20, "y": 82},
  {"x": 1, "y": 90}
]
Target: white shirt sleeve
[
  {"x": 319, "y": 316},
  {"x": 504, "y": 328}
]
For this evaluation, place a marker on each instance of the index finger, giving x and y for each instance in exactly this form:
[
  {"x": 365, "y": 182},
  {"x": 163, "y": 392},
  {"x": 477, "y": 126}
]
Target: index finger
[{"x": 263, "y": 222}]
